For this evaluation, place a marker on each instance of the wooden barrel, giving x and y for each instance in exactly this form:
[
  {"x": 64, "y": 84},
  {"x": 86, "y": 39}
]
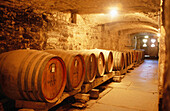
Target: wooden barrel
[
  {"x": 128, "y": 58},
  {"x": 32, "y": 75},
  {"x": 108, "y": 55},
  {"x": 109, "y": 61},
  {"x": 125, "y": 55},
  {"x": 101, "y": 64},
  {"x": 118, "y": 59},
  {"x": 140, "y": 55},
  {"x": 75, "y": 67},
  {"x": 132, "y": 56},
  {"x": 136, "y": 56},
  {"x": 90, "y": 64}
]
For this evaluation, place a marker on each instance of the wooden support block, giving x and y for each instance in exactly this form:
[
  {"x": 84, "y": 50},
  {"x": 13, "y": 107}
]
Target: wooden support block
[
  {"x": 131, "y": 68},
  {"x": 122, "y": 76},
  {"x": 117, "y": 73},
  {"x": 43, "y": 105},
  {"x": 128, "y": 71},
  {"x": 102, "y": 87},
  {"x": 117, "y": 78},
  {"x": 94, "y": 93},
  {"x": 87, "y": 87},
  {"x": 83, "y": 98},
  {"x": 79, "y": 105}
]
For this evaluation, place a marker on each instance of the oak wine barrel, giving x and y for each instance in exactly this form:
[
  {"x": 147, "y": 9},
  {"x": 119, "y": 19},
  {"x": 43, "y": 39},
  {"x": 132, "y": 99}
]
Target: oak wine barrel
[
  {"x": 32, "y": 75},
  {"x": 125, "y": 59},
  {"x": 75, "y": 67},
  {"x": 101, "y": 64},
  {"x": 108, "y": 55},
  {"x": 90, "y": 64},
  {"x": 119, "y": 62}
]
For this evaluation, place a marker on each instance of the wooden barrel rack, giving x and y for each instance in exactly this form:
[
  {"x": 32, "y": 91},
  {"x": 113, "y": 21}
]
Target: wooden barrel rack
[{"x": 90, "y": 76}]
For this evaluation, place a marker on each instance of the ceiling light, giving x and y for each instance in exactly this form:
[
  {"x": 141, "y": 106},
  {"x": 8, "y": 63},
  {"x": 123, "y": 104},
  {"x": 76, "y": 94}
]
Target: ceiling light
[
  {"x": 144, "y": 45},
  {"x": 145, "y": 40},
  {"x": 158, "y": 34},
  {"x": 114, "y": 12},
  {"x": 146, "y": 36},
  {"x": 153, "y": 45},
  {"x": 153, "y": 40}
]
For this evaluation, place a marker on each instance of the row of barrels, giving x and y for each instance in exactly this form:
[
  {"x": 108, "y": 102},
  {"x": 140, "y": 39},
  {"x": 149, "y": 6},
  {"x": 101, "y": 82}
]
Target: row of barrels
[
  {"x": 133, "y": 56},
  {"x": 44, "y": 75}
]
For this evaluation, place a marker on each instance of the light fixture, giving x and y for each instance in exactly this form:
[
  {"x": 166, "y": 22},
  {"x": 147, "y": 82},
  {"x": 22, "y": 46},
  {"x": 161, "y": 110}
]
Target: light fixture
[
  {"x": 144, "y": 45},
  {"x": 153, "y": 40},
  {"x": 158, "y": 34},
  {"x": 146, "y": 36},
  {"x": 145, "y": 40},
  {"x": 113, "y": 12},
  {"x": 153, "y": 45}
]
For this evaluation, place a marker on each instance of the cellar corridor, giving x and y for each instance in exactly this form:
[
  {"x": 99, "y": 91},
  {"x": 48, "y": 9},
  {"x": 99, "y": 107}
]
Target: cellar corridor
[
  {"x": 88, "y": 55},
  {"x": 138, "y": 91}
]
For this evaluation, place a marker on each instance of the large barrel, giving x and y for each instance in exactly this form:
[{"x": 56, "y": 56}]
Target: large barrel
[
  {"x": 90, "y": 64},
  {"x": 101, "y": 64},
  {"x": 75, "y": 66},
  {"x": 32, "y": 75},
  {"x": 118, "y": 59}
]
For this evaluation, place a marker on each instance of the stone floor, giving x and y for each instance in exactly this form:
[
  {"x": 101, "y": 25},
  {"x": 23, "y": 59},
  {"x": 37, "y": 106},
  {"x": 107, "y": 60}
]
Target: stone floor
[{"x": 138, "y": 91}]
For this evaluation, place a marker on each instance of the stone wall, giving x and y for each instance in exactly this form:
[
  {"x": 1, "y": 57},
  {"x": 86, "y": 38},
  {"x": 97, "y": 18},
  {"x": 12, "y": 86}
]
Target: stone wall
[
  {"x": 22, "y": 28},
  {"x": 166, "y": 73}
]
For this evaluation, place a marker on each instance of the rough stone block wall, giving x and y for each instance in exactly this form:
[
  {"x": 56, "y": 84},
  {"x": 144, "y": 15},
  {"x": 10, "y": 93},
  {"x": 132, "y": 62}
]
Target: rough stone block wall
[
  {"x": 22, "y": 28},
  {"x": 166, "y": 73}
]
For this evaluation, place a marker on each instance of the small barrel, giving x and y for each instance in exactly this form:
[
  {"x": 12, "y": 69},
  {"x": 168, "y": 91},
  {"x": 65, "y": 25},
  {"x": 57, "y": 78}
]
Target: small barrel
[
  {"x": 101, "y": 64},
  {"x": 118, "y": 59},
  {"x": 75, "y": 66},
  {"x": 90, "y": 64},
  {"x": 32, "y": 75}
]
